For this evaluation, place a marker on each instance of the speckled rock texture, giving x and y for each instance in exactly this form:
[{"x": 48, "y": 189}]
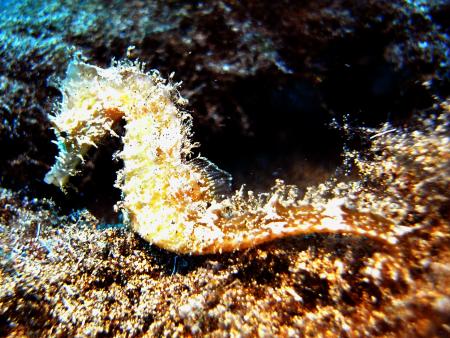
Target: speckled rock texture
[{"x": 294, "y": 90}]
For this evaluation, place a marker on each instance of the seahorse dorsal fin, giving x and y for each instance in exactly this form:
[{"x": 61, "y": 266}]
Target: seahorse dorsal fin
[{"x": 221, "y": 181}]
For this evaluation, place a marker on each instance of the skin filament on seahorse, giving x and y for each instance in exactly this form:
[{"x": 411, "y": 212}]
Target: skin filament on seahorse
[{"x": 169, "y": 198}]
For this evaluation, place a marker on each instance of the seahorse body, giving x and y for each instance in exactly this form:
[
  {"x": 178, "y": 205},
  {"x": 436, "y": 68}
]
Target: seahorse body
[{"x": 171, "y": 200}]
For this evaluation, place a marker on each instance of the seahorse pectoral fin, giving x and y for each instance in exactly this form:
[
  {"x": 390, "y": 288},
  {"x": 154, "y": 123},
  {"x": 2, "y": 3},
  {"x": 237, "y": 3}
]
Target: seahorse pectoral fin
[{"x": 80, "y": 71}]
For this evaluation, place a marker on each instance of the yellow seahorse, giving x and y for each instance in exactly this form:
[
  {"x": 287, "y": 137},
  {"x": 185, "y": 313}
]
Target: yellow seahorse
[{"x": 170, "y": 199}]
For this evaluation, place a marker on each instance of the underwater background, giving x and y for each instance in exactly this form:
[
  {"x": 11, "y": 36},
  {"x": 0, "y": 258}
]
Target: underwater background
[{"x": 345, "y": 99}]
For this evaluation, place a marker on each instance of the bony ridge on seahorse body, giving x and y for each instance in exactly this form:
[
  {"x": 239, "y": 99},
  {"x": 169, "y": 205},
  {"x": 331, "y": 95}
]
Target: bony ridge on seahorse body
[{"x": 171, "y": 200}]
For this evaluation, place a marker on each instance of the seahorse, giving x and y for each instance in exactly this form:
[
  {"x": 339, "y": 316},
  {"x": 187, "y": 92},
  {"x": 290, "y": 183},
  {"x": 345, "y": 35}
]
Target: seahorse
[{"x": 169, "y": 197}]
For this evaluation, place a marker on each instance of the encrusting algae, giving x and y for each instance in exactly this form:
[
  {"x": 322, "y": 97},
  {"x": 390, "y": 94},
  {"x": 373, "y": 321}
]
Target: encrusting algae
[{"x": 171, "y": 199}]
